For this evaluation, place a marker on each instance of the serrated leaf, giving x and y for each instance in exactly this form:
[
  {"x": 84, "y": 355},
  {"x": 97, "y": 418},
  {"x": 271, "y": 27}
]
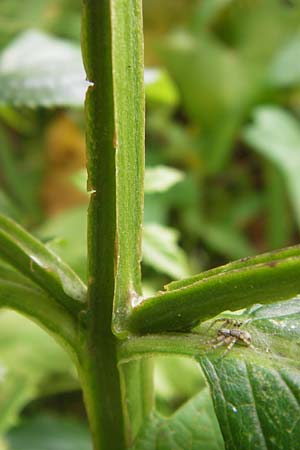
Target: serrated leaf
[
  {"x": 192, "y": 427},
  {"x": 49, "y": 433},
  {"x": 161, "y": 251},
  {"x": 275, "y": 134},
  {"x": 51, "y": 74},
  {"x": 256, "y": 390}
]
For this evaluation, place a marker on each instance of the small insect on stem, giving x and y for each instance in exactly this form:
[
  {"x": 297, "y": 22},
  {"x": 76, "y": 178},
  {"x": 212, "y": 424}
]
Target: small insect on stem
[{"x": 229, "y": 334}]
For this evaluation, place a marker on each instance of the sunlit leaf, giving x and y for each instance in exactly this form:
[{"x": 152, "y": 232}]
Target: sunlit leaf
[
  {"x": 256, "y": 390},
  {"x": 160, "y": 88},
  {"x": 275, "y": 134},
  {"x": 51, "y": 74},
  {"x": 161, "y": 178},
  {"x": 162, "y": 252},
  {"x": 285, "y": 69}
]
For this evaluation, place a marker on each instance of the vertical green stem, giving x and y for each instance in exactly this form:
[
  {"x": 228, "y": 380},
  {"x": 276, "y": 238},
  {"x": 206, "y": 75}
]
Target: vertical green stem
[
  {"x": 98, "y": 371},
  {"x": 113, "y": 56},
  {"x": 138, "y": 399}
]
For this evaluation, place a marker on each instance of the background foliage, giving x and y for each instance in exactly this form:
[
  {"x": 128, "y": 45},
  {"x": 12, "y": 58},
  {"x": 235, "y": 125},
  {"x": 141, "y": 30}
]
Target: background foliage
[{"x": 222, "y": 179}]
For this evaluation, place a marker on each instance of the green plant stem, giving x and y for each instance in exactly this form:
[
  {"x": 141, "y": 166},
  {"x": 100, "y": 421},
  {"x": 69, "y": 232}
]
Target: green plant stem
[
  {"x": 135, "y": 348},
  {"x": 269, "y": 257},
  {"x": 112, "y": 53},
  {"x": 138, "y": 398},
  {"x": 235, "y": 289},
  {"x": 98, "y": 369}
]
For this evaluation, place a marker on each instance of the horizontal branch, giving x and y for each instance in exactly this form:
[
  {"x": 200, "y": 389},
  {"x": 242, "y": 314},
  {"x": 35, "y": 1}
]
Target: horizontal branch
[
  {"x": 181, "y": 309},
  {"x": 168, "y": 343},
  {"x": 242, "y": 263}
]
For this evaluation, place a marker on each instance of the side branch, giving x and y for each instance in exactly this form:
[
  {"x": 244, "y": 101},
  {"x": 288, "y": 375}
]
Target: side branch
[{"x": 182, "y": 308}]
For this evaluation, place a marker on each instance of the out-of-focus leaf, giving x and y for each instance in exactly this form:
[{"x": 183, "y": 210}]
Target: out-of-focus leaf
[
  {"x": 226, "y": 240},
  {"x": 15, "y": 393},
  {"x": 161, "y": 178},
  {"x": 7, "y": 207},
  {"x": 79, "y": 179},
  {"x": 192, "y": 427},
  {"x": 285, "y": 69},
  {"x": 279, "y": 226},
  {"x": 161, "y": 251},
  {"x": 29, "y": 358},
  {"x": 12, "y": 178},
  {"x": 51, "y": 74},
  {"x": 275, "y": 134},
  {"x": 221, "y": 75},
  {"x": 3, "y": 445},
  {"x": 65, "y": 234},
  {"x": 176, "y": 380},
  {"x": 49, "y": 433},
  {"x": 59, "y": 16},
  {"x": 160, "y": 88},
  {"x": 256, "y": 390}
]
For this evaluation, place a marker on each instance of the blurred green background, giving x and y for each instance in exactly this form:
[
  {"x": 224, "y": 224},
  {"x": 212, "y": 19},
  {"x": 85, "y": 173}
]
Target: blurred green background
[{"x": 222, "y": 170}]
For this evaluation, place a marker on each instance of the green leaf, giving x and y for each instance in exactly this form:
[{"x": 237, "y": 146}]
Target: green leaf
[
  {"x": 271, "y": 280},
  {"x": 47, "y": 432},
  {"x": 285, "y": 69},
  {"x": 25, "y": 372},
  {"x": 161, "y": 178},
  {"x": 160, "y": 88},
  {"x": 161, "y": 251},
  {"x": 192, "y": 427},
  {"x": 176, "y": 380},
  {"x": 222, "y": 72},
  {"x": 15, "y": 393},
  {"x": 256, "y": 390},
  {"x": 7, "y": 207},
  {"x": 51, "y": 74},
  {"x": 275, "y": 134},
  {"x": 42, "y": 266},
  {"x": 66, "y": 235},
  {"x": 225, "y": 239}
]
